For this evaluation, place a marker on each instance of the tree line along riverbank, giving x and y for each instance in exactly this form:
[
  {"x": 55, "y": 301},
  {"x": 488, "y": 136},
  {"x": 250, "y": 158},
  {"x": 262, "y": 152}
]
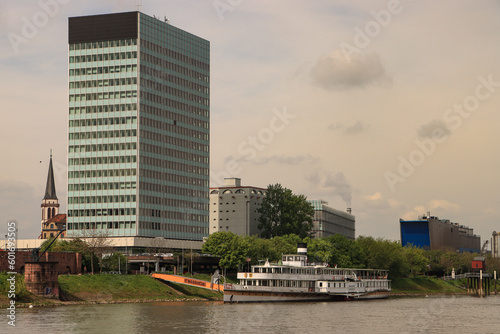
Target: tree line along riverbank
[{"x": 109, "y": 288}]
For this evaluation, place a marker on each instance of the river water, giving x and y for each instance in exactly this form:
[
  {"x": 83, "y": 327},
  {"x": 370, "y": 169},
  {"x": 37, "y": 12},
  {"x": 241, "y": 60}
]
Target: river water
[{"x": 402, "y": 315}]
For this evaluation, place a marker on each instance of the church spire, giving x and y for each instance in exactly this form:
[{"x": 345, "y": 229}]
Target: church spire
[{"x": 50, "y": 188}]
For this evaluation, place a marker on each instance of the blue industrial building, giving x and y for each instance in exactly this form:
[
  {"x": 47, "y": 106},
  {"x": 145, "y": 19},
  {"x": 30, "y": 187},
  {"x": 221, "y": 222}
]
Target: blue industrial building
[{"x": 431, "y": 233}]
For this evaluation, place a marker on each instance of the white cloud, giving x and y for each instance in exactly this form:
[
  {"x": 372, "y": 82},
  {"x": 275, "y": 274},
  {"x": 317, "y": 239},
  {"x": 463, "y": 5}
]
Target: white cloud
[
  {"x": 334, "y": 71},
  {"x": 434, "y": 128},
  {"x": 355, "y": 129},
  {"x": 437, "y": 207}
]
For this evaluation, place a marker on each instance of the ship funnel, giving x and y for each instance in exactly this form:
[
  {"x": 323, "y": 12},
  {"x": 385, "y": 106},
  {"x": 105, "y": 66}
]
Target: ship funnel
[{"x": 302, "y": 249}]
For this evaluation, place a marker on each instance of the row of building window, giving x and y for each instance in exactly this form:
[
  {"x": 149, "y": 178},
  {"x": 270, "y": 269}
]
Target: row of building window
[
  {"x": 103, "y": 147},
  {"x": 181, "y": 130},
  {"x": 102, "y": 44},
  {"x": 103, "y": 96},
  {"x": 180, "y": 179},
  {"x": 103, "y": 57},
  {"x": 161, "y": 112},
  {"x": 170, "y": 153},
  {"x": 101, "y": 225},
  {"x": 174, "y": 103},
  {"x": 173, "y": 227},
  {"x": 95, "y": 160},
  {"x": 239, "y": 191},
  {"x": 100, "y": 109},
  {"x": 101, "y": 173},
  {"x": 159, "y": 87},
  {"x": 102, "y": 212},
  {"x": 178, "y": 142},
  {"x": 102, "y": 199},
  {"x": 189, "y": 168},
  {"x": 102, "y": 186},
  {"x": 176, "y": 121},
  {"x": 103, "y": 83},
  {"x": 103, "y": 121},
  {"x": 172, "y": 215},
  {"x": 103, "y": 70},
  {"x": 103, "y": 134},
  {"x": 179, "y": 191},
  {"x": 173, "y": 202},
  {"x": 155, "y": 79},
  {"x": 175, "y": 55}
]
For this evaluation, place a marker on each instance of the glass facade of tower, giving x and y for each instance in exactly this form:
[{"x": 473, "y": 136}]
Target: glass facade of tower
[{"x": 138, "y": 156}]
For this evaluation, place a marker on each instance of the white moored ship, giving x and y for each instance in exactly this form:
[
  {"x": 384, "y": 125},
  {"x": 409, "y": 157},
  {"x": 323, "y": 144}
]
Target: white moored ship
[{"x": 294, "y": 279}]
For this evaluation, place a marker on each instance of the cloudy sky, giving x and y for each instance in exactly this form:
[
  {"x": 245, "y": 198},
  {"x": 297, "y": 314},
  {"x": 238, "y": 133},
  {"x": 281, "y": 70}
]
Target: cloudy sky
[{"x": 390, "y": 107}]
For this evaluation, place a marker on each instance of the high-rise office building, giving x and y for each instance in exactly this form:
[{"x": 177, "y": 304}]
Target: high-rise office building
[{"x": 138, "y": 155}]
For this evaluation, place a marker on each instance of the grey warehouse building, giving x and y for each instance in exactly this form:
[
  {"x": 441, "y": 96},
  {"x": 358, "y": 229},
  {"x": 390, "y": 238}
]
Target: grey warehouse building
[{"x": 328, "y": 221}]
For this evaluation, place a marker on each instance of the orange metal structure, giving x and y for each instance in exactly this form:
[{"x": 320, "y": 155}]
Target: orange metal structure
[{"x": 189, "y": 281}]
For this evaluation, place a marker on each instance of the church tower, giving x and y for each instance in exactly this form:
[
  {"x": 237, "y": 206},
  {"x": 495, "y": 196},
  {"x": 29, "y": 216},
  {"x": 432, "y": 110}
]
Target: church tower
[{"x": 50, "y": 203}]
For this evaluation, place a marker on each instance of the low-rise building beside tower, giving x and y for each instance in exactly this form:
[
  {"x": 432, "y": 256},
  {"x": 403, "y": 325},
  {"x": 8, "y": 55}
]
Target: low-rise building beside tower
[
  {"x": 233, "y": 207},
  {"x": 328, "y": 221}
]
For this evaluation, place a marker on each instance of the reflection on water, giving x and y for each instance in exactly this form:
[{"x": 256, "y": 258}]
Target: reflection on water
[{"x": 406, "y": 315}]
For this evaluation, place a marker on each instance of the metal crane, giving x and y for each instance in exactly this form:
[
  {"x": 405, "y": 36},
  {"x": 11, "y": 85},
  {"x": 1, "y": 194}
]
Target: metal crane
[
  {"x": 35, "y": 252},
  {"x": 483, "y": 250}
]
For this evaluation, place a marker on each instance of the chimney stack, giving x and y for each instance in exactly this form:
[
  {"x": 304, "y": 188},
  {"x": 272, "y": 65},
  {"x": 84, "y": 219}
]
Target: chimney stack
[{"x": 349, "y": 210}]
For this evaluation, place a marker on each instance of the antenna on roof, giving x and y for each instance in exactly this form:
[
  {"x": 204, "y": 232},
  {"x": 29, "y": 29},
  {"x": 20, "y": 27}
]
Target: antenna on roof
[{"x": 138, "y": 4}]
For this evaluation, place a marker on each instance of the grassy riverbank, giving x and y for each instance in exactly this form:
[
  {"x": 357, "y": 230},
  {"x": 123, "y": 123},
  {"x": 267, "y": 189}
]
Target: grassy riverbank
[
  {"x": 107, "y": 288},
  {"x": 429, "y": 286}
]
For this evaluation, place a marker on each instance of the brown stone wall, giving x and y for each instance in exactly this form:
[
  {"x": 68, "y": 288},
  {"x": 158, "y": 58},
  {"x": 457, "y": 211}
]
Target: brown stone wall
[
  {"x": 66, "y": 262},
  {"x": 40, "y": 278}
]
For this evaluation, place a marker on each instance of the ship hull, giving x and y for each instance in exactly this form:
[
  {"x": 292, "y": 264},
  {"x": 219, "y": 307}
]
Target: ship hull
[{"x": 265, "y": 297}]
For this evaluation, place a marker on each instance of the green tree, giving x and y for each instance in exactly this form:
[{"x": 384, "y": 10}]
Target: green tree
[
  {"x": 229, "y": 247},
  {"x": 114, "y": 262},
  {"x": 384, "y": 254},
  {"x": 336, "y": 250},
  {"x": 416, "y": 258},
  {"x": 286, "y": 244},
  {"x": 319, "y": 250},
  {"x": 259, "y": 249},
  {"x": 282, "y": 213}
]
